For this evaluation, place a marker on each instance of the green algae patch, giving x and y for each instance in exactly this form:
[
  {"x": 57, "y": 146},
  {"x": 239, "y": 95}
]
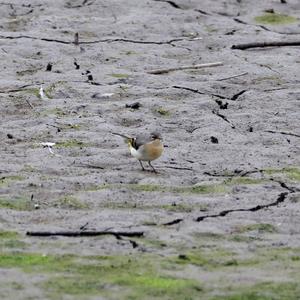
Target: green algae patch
[
  {"x": 10, "y": 239},
  {"x": 210, "y": 259},
  {"x": 243, "y": 180},
  {"x": 263, "y": 291},
  {"x": 196, "y": 189},
  {"x": 275, "y": 19},
  {"x": 133, "y": 277},
  {"x": 70, "y": 202},
  {"x": 208, "y": 236},
  {"x": 260, "y": 227},
  {"x": 71, "y": 143},
  {"x": 6, "y": 180},
  {"x": 119, "y": 75},
  {"x": 180, "y": 207},
  {"x": 292, "y": 173},
  {"x": 8, "y": 235},
  {"x": 243, "y": 239},
  {"x": 163, "y": 112},
  {"x": 18, "y": 203}
]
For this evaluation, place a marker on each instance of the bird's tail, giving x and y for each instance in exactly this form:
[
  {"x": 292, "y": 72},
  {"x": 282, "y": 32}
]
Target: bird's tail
[{"x": 128, "y": 140}]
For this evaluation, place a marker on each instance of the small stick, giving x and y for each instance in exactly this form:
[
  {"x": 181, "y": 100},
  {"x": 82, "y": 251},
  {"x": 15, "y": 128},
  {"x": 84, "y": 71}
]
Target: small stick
[
  {"x": 76, "y": 39},
  {"x": 163, "y": 71},
  {"x": 31, "y": 106},
  {"x": 234, "y": 76},
  {"x": 85, "y": 233},
  {"x": 265, "y": 44},
  {"x": 178, "y": 168},
  {"x": 283, "y": 132}
]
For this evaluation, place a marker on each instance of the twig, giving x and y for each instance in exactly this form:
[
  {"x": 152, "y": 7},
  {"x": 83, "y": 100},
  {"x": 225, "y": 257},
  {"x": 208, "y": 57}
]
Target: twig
[
  {"x": 163, "y": 71},
  {"x": 76, "y": 38},
  {"x": 284, "y": 133},
  {"x": 86, "y": 233},
  {"x": 178, "y": 168},
  {"x": 89, "y": 166},
  {"x": 265, "y": 44},
  {"x": 234, "y": 76},
  {"x": 31, "y": 106}
]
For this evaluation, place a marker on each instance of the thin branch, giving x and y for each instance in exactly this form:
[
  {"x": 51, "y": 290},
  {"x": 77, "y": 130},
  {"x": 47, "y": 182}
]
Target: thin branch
[
  {"x": 85, "y": 233},
  {"x": 265, "y": 44},
  {"x": 31, "y": 106},
  {"x": 234, "y": 76},
  {"x": 284, "y": 133},
  {"x": 178, "y": 168},
  {"x": 200, "y": 66},
  {"x": 89, "y": 166}
]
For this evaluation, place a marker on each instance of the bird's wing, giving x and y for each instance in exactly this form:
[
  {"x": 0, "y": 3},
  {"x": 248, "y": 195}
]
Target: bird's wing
[{"x": 141, "y": 140}]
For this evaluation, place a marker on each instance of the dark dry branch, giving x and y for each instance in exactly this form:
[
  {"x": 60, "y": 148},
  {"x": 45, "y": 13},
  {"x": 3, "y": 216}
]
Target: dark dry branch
[
  {"x": 86, "y": 233},
  {"x": 265, "y": 44}
]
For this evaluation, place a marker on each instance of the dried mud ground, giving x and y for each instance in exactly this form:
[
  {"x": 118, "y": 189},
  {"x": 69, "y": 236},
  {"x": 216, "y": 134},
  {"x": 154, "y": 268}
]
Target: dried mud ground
[{"x": 221, "y": 219}]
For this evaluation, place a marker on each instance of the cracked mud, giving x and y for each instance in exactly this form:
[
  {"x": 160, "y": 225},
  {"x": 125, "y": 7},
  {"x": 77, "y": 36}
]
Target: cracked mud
[{"x": 220, "y": 220}]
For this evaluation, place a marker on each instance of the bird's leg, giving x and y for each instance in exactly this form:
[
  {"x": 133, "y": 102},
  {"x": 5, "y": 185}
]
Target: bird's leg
[
  {"x": 142, "y": 165},
  {"x": 152, "y": 167}
]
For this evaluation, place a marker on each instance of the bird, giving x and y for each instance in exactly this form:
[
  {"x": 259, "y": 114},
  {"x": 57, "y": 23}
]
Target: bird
[{"x": 144, "y": 147}]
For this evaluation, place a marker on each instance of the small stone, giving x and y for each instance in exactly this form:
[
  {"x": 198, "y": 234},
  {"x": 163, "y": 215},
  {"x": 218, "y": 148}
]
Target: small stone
[
  {"x": 135, "y": 105},
  {"x": 214, "y": 140},
  {"x": 49, "y": 67}
]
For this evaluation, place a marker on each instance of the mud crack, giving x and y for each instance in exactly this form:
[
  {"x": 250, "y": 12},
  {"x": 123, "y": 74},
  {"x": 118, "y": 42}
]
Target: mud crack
[
  {"x": 169, "y": 42},
  {"x": 223, "y": 117},
  {"x": 283, "y": 132},
  {"x": 280, "y": 199},
  {"x": 172, "y": 3},
  {"x": 199, "y": 92}
]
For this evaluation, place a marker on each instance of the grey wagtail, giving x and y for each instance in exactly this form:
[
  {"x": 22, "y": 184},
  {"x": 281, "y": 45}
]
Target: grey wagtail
[{"x": 144, "y": 148}]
